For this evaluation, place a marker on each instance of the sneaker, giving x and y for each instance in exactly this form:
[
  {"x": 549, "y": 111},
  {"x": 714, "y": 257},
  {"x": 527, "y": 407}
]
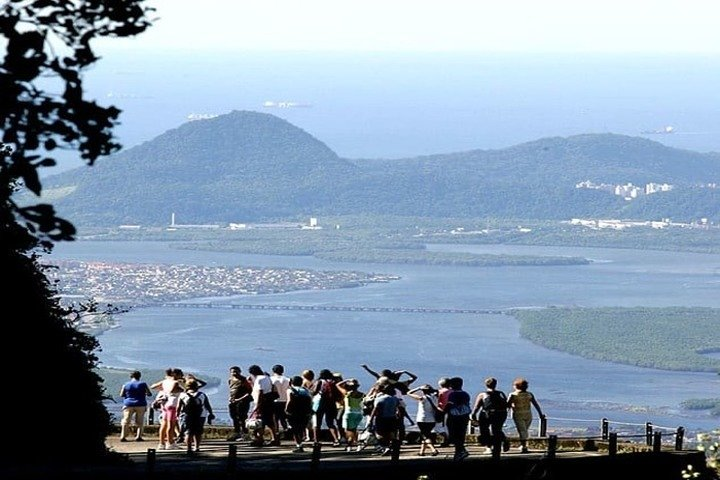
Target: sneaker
[
  {"x": 488, "y": 450},
  {"x": 523, "y": 450},
  {"x": 139, "y": 439},
  {"x": 385, "y": 452},
  {"x": 336, "y": 444},
  {"x": 360, "y": 448},
  {"x": 506, "y": 445},
  {"x": 123, "y": 439},
  {"x": 161, "y": 446},
  {"x": 298, "y": 449},
  {"x": 435, "y": 453}
]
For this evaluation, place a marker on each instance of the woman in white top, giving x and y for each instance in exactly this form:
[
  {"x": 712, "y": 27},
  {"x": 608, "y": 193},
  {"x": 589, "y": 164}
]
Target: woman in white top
[
  {"x": 427, "y": 399},
  {"x": 170, "y": 389}
]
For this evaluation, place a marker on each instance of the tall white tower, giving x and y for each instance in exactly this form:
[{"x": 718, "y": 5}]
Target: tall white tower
[
  {"x": 172, "y": 219},
  {"x": 313, "y": 222}
]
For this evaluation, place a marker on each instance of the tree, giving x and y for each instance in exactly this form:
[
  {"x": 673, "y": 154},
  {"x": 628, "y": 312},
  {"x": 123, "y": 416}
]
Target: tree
[{"x": 58, "y": 395}]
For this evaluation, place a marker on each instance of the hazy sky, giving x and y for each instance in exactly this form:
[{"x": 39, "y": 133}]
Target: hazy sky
[{"x": 644, "y": 26}]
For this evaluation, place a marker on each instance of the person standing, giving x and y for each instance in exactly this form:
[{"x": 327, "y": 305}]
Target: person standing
[
  {"x": 327, "y": 394},
  {"x": 520, "y": 403},
  {"x": 170, "y": 388},
  {"x": 352, "y": 410},
  {"x": 298, "y": 411},
  {"x": 281, "y": 384},
  {"x": 491, "y": 410},
  {"x": 134, "y": 394},
  {"x": 385, "y": 417},
  {"x": 426, "y": 417},
  {"x": 240, "y": 397},
  {"x": 263, "y": 396},
  {"x": 196, "y": 408},
  {"x": 457, "y": 416}
]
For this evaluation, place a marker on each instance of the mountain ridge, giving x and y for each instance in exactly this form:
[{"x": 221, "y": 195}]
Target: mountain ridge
[{"x": 250, "y": 166}]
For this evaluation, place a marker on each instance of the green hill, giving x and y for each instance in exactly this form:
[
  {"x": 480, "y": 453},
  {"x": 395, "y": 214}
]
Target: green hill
[{"x": 248, "y": 166}]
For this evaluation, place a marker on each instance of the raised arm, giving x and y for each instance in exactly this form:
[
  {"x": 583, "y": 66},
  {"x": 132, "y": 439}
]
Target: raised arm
[
  {"x": 341, "y": 386},
  {"x": 156, "y": 385},
  {"x": 371, "y": 372},
  {"x": 411, "y": 376}
]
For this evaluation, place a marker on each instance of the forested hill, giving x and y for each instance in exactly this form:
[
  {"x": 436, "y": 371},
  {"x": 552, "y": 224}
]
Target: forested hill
[{"x": 248, "y": 166}]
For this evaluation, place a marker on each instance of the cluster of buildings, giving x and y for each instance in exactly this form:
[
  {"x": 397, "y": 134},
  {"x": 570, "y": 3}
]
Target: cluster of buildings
[
  {"x": 173, "y": 226},
  {"x": 628, "y": 191},
  {"x": 146, "y": 284},
  {"x": 600, "y": 224}
]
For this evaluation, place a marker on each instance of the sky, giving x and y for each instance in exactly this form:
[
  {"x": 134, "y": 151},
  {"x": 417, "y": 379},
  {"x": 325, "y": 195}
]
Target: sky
[{"x": 543, "y": 26}]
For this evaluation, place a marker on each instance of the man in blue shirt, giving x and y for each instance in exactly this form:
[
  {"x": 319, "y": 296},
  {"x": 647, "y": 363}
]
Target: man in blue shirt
[{"x": 134, "y": 394}]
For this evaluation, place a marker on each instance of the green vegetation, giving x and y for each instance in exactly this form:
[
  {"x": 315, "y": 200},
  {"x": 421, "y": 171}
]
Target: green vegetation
[
  {"x": 47, "y": 48},
  {"x": 358, "y": 249},
  {"x": 712, "y": 404},
  {"x": 664, "y": 338},
  {"x": 264, "y": 168},
  {"x": 447, "y": 258},
  {"x": 367, "y": 232}
]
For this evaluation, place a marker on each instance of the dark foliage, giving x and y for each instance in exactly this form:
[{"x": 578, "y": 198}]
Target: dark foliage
[{"x": 42, "y": 108}]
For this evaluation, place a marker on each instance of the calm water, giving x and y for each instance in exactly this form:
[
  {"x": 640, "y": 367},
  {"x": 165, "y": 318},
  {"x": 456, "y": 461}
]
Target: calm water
[
  {"x": 573, "y": 390},
  {"x": 401, "y": 105}
]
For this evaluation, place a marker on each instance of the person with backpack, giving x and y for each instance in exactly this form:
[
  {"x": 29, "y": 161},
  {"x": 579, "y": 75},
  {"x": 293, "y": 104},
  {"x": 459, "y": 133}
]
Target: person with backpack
[
  {"x": 457, "y": 416},
  {"x": 298, "y": 410},
  {"x": 490, "y": 411},
  {"x": 328, "y": 395},
  {"x": 197, "y": 409}
]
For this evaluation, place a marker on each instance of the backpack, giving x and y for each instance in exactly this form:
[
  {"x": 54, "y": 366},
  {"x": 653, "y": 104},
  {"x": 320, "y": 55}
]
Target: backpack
[
  {"x": 194, "y": 404},
  {"x": 329, "y": 392},
  {"x": 494, "y": 403},
  {"x": 301, "y": 403}
]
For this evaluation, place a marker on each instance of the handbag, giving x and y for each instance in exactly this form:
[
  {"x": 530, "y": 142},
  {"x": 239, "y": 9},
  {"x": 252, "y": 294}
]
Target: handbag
[
  {"x": 159, "y": 401},
  {"x": 253, "y": 422}
]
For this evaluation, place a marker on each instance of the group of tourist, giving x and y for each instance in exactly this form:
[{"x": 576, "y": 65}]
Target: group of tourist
[
  {"x": 184, "y": 409},
  {"x": 266, "y": 404}
]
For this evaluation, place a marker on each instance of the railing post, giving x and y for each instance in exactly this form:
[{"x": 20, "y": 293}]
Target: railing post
[
  {"x": 648, "y": 434},
  {"x": 605, "y": 428},
  {"x": 150, "y": 461},
  {"x": 543, "y": 426},
  {"x": 232, "y": 458},
  {"x": 612, "y": 444},
  {"x": 315, "y": 459},
  {"x": 657, "y": 442},
  {"x": 552, "y": 446},
  {"x": 679, "y": 436}
]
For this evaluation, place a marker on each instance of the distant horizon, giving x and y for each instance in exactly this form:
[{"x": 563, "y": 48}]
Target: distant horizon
[{"x": 399, "y": 105}]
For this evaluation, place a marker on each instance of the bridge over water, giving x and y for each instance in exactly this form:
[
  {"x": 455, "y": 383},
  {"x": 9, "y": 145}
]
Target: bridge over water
[{"x": 336, "y": 308}]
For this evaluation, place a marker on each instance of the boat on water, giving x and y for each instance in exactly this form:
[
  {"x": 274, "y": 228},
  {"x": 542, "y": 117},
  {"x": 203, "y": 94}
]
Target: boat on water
[{"x": 663, "y": 131}]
